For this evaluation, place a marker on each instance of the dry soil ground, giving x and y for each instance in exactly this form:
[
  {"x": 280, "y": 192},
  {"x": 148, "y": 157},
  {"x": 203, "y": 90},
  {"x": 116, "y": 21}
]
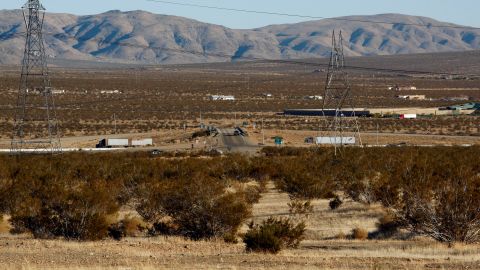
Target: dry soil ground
[{"x": 320, "y": 250}]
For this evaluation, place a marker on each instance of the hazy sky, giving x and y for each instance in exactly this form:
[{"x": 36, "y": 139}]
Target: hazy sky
[{"x": 465, "y": 12}]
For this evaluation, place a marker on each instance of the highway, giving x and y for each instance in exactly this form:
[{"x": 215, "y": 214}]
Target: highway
[{"x": 235, "y": 143}]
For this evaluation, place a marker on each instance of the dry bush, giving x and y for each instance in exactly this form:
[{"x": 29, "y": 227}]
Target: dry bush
[
  {"x": 341, "y": 236},
  {"x": 200, "y": 207},
  {"x": 77, "y": 212},
  {"x": 230, "y": 238},
  {"x": 134, "y": 226},
  {"x": 335, "y": 203},
  {"x": 432, "y": 191},
  {"x": 437, "y": 197},
  {"x": 274, "y": 234},
  {"x": 387, "y": 226},
  {"x": 359, "y": 234},
  {"x": 200, "y": 133},
  {"x": 127, "y": 227},
  {"x": 305, "y": 177},
  {"x": 300, "y": 207},
  {"x": 253, "y": 194},
  {"x": 4, "y": 225},
  {"x": 164, "y": 227}
]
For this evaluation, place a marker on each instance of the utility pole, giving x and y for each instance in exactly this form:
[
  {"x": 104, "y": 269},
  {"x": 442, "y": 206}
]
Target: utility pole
[
  {"x": 115, "y": 122},
  {"x": 35, "y": 126},
  {"x": 341, "y": 127},
  {"x": 263, "y": 134}
]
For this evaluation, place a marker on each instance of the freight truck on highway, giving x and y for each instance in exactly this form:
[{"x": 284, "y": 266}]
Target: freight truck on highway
[
  {"x": 124, "y": 143},
  {"x": 335, "y": 140}
]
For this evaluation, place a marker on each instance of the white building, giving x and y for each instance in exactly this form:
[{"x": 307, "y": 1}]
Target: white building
[
  {"x": 58, "y": 91},
  {"x": 314, "y": 97},
  {"x": 110, "y": 92},
  {"x": 221, "y": 97}
]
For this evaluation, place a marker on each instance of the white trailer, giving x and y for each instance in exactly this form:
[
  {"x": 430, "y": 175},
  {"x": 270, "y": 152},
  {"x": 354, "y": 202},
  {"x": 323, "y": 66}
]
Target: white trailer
[
  {"x": 335, "y": 140},
  {"x": 142, "y": 142},
  {"x": 408, "y": 116},
  {"x": 113, "y": 143}
]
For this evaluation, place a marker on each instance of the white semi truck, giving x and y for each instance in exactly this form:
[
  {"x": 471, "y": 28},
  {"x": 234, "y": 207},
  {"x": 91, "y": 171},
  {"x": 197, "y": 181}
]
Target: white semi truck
[{"x": 124, "y": 143}]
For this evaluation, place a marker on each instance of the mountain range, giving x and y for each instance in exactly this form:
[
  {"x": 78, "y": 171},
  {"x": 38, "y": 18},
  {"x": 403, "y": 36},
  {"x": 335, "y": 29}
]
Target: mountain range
[{"x": 143, "y": 37}]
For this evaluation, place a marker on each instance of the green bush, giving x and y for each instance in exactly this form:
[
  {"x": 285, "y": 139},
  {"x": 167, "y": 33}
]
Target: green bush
[{"x": 273, "y": 235}]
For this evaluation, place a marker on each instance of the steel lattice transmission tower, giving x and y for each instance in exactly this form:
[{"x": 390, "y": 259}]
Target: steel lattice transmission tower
[
  {"x": 341, "y": 126},
  {"x": 35, "y": 127}
]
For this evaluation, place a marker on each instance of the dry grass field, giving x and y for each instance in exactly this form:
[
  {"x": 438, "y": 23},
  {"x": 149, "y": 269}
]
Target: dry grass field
[{"x": 320, "y": 250}]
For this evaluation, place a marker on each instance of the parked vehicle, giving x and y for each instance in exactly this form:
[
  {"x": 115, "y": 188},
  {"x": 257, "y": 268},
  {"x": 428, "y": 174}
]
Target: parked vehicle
[
  {"x": 335, "y": 140},
  {"x": 156, "y": 152},
  {"x": 112, "y": 143},
  {"x": 119, "y": 143}
]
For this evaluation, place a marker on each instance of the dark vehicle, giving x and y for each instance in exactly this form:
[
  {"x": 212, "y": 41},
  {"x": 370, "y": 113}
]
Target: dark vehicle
[{"x": 156, "y": 152}]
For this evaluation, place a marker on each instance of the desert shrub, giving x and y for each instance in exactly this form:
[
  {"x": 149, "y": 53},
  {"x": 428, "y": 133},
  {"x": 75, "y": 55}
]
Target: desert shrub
[
  {"x": 305, "y": 178},
  {"x": 387, "y": 226},
  {"x": 49, "y": 208},
  {"x": 200, "y": 207},
  {"x": 274, "y": 234},
  {"x": 353, "y": 172},
  {"x": 437, "y": 197},
  {"x": 230, "y": 238},
  {"x": 200, "y": 133},
  {"x": 253, "y": 194},
  {"x": 163, "y": 227},
  {"x": 128, "y": 226},
  {"x": 335, "y": 203},
  {"x": 341, "y": 236},
  {"x": 133, "y": 226},
  {"x": 116, "y": 231},
  {"x": 300, "y": 207},
  {"x": 270, "y": 151},
  {"x": 359, "y": 234}
]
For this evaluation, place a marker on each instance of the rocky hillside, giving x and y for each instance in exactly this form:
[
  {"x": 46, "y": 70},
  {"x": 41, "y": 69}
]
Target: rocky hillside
[{"x": 165, "y": 39}]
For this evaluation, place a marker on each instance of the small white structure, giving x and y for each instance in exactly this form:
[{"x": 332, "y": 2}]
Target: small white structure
[
  {"x": 408, "y": 116},
  {"x": 267, "y": 95},
  {"x": 314, "y": 97},
  {"x": 58, "y": 91},
  {"x": 335, "y": 140},
  {"x": 110, "y": 92},
  {"x": 221, "y": 97},
  {"x": 398, "y": 88}
]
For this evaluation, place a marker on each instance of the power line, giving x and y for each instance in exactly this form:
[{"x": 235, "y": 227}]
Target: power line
[{"x": 310, "y": 17}]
